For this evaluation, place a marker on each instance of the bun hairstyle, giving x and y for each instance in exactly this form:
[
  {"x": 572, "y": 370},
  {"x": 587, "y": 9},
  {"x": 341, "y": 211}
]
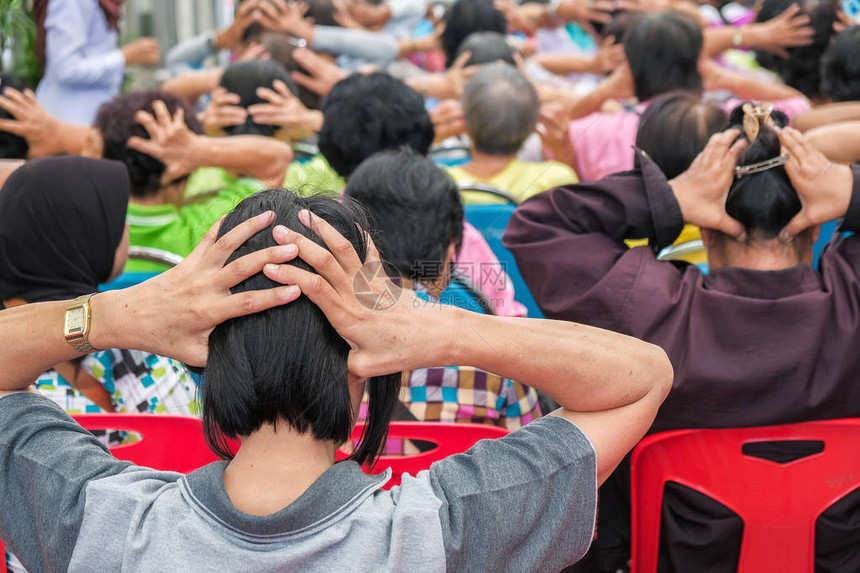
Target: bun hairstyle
[{"x": 764, "y": 201}]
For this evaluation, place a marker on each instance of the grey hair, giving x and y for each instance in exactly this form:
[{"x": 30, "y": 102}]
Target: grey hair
[{"x": 501, "y": 107}]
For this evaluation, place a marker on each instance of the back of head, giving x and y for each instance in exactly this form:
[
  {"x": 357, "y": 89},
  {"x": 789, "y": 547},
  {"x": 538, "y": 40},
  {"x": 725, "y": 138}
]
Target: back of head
[
  {"x": 61, "y": 221},
  {"x": 663, "y": 50},
  {"x": 465, "y": 17},
  {"x": 280, "y": 47},
  {"x": 766, "y": 201},
  {"x": 288, "y": 365},
  {"x": 243, "y": 79},
  {"x": 501, "y": 107},
  {"x": 116, "y": 122},
  {"x": 11, "y": 146},
  {"x": 675, "y": 129},
  {"x": 416, "y": 209},
  {"x": 364, "y": 114},
  {"x": 840, "y": 67},
  {"x": 802, "y": 69},
  {"x": 487, "y": 47}
]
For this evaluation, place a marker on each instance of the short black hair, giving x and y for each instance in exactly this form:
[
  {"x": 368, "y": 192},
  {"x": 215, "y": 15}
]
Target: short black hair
[
  {"x": 243, "y": 79},
  {"x": 364, "y": 114},
  {"x": 416, "y": 208},
  {"x": 288, "y": 364},
  {"x": 690, "y": 120},
  {"x": 802, "y": 69},
  {"x": 116, "y": 122},
  {"x": 762, "y": 202},
  {"x": 11, "y": 146},
  {"x": 663, "y": 50},
  {"x": 840, "y": 67},
  {"x": 487, "y": 47},
  {"x": 465, "y": 17}
]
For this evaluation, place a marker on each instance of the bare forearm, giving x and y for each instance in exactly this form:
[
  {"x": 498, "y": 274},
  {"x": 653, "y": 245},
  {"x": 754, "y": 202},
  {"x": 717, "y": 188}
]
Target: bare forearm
[
  {"x": 193, "y": 85},
  {"x": 751, "y": 88},
  {"x": 263, "y": 158},
  {"x": 563, "y": 64},
  {"x": 826, "y": 114},
  {"x": 584, "y": 369},
  {"x": 839, "y": 143}
]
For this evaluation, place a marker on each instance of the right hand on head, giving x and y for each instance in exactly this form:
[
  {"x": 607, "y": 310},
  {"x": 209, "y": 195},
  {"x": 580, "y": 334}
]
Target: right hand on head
[
  {"x": 223, "y": 111},
  {"x": 143, "y": 51},
  {"x": 824, "y": 187},
  {"x": 32, "y": 121}
]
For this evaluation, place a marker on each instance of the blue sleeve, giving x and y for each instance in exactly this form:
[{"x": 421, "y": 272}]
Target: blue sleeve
[
  {"x": 372, "y": 47},
  {"x": 190, "y": 54},
  {"x": 46, "y": 462},
  {"x": 67, "y": 26}
]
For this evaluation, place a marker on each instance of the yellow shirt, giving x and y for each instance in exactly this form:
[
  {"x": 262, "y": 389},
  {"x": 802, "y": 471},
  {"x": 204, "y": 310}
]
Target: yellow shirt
[{"x": 521, "y": 179}]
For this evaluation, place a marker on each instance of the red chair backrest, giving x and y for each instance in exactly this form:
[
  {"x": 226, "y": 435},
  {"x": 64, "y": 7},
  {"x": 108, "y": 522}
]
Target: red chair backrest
[
  {"x": 778, "y": 503},
  {"x": 449, "y": 439},
  {"x": 172, "y": 443}
]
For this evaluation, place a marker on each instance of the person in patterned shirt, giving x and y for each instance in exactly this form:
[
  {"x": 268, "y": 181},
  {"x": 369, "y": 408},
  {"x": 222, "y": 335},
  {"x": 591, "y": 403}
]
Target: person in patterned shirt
[{"x": 419, "y": 218}]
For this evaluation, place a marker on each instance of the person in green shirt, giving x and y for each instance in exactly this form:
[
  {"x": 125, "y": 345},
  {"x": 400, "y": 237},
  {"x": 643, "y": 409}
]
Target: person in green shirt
[
  {"x": 159, "y": 215},
  {"x": 501, "y": 108}
]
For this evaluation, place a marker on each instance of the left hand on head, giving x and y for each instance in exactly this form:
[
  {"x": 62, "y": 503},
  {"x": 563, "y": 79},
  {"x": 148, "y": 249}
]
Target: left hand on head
[
  {"x": 285, "y": 110},
  {"x": 170, "y": 141},
  {"x": 790, "y": 29},
  {"x": 702, "y": 189}
]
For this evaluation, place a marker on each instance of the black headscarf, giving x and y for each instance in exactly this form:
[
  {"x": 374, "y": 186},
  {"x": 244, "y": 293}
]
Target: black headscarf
[{"x": 61, "y": 221}]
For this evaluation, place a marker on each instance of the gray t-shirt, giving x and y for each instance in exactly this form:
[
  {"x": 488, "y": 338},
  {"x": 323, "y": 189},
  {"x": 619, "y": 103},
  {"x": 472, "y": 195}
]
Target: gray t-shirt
[{"x": 525, "y": 502}]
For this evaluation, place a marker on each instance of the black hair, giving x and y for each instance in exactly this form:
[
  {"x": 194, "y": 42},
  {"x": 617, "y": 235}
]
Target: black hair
[
  {"x": 840, "y": 67},
  {"x": 802, "y": 69},
  {"x": 663, "y": 50},
  {"x": 363, "y": 114},
  {"x": 11, "y": 146},
  {"x": 280, "y": 47},
  {"x": 465, "y": 17},
  {"x": 487, "y": 47},
  {"x": 762, "y": 202},
  {"x": 690, "y": 121},
  {"x": 116, "y": 122},
  {"x": 243, "y": 79},
  {"x": 416, "y": 208},
  {"x": 288, "y": 364}
]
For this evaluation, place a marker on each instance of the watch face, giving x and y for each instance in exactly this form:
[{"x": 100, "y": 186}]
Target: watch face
[{"x": 75, "y": 320}]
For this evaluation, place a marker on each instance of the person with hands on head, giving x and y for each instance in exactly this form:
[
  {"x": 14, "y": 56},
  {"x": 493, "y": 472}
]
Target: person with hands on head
[
  {"x": 762, "y": 339},
  {"x": 241, "y": 293}
]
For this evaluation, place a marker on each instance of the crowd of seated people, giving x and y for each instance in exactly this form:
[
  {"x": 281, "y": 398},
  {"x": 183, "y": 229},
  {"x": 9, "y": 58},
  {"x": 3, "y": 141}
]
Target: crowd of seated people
[{"x": 309, "y": 150}]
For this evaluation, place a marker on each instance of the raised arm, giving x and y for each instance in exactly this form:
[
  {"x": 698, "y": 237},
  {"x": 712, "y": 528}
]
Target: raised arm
[
  {"x": 45, "y": 134},
  {"x": 609, "y": 384},
  {"x": 263, "y": 158},
  {"x": 195, "y": 294}
]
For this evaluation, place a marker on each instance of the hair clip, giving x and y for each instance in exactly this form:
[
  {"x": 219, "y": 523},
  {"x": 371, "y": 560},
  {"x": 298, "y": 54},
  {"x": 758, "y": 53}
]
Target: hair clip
[
  {"x": 742, "y": 170},
  {"x": 754, "y": 117}
]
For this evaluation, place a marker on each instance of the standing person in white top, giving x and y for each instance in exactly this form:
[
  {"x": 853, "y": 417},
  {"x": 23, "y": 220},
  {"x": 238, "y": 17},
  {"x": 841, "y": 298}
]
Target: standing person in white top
[{"x": 76, "y": 41}]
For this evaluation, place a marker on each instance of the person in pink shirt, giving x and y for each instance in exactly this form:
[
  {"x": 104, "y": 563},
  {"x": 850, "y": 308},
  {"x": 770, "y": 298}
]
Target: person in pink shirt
[{"x": 663, "y": 51}]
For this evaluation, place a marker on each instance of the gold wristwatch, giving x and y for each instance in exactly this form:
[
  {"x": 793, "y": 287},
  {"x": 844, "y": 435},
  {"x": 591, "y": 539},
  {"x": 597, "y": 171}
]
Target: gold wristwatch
[{"x": 76, "y": 327}]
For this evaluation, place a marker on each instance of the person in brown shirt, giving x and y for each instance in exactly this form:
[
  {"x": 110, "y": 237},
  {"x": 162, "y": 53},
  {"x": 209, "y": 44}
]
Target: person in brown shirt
[{"x": 763, "y": 338}]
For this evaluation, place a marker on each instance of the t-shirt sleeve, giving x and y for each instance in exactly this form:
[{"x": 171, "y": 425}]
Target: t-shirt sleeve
[
  {"x": 46, "y": 462},
  {"x": 525, "y": 502}
]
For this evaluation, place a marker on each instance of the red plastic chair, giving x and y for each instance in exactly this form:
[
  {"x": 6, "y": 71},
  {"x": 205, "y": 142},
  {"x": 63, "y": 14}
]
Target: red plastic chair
[
  {"x": 449, "y": 439},
  {"x": 778, "y": 503}
]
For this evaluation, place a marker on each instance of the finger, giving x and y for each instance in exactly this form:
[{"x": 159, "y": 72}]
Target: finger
[
  {"x": 461, "y": 60},
  {"x": 797, "y": 225},
  {"x": 12, "y": 107},
  {"x": 282, "y": 88},
  {"x": 148, "y": 122},
  {"x": 323, "y": 261},
  {"x": 245, "y": 267},
  {"x": 793, "y": 144},
  {"x": 252, "y": 302},
  {"x": 146, "y": 146},
  {"x": 308, "y": 82},
  {"x": 731, "y": 227},
  {"x": 15, "y": 96},
  {"x": 270, "y": 96},
  {"x": 12, "y": 126},
  {"x": 228, "y": 116},
  {"x": 222, "y": 248},
  {"x": 312, "y": 285},
  {"x": 221, "y": 96},
  {"x": 179, "y": 118},
  {"x": 162, "y": 114},
  {"x": 340, "y": 247}
]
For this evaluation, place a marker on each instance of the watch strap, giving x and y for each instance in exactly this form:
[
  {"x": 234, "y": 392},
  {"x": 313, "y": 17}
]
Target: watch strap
[{"x": 79, "y": 340}]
